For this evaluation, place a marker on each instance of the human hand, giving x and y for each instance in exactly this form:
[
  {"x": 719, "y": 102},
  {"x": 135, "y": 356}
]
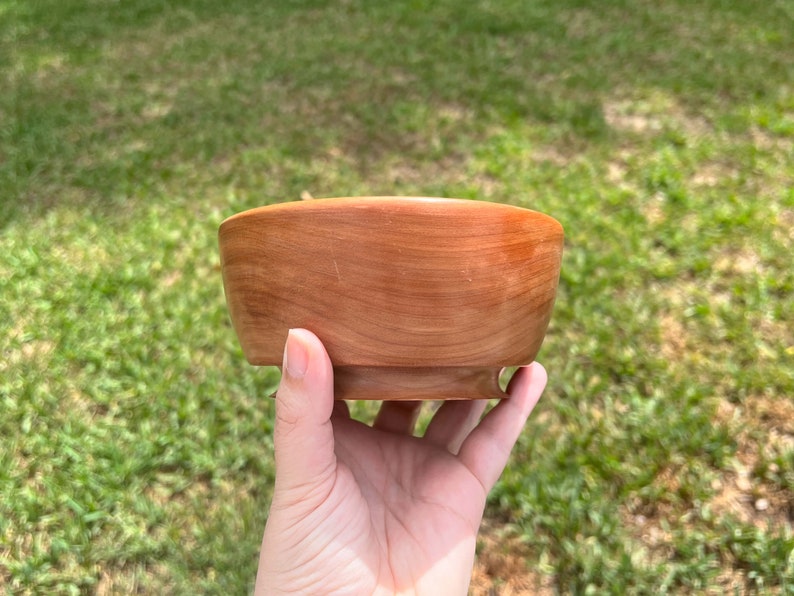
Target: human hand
[{"x": 375, "y": 510}]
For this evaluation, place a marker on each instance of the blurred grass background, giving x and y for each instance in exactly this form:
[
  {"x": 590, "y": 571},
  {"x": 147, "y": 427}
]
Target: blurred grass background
[{"x": 135, "y": 450}]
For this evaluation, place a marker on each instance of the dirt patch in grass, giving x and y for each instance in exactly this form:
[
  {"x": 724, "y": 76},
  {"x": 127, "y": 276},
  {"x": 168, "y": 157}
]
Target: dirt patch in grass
[
  {"x": 737, "y": 261},
  {"x": 681, "y": 339},
  {"x": 653, "y": 209},
  {"x": 409, "y": 173},
  {"x": 549, "y": 154},
  {"x": 134, "y": 578},
  {"x": 623, "y": 116},
  {"x": 784, "y": 228},
  {"x": 675, "y": 337},
  {"x": 767, "y": 141},
  {"x": 31, "y": 353},
  {"x": 650, "y": 114},
  {"x": 764, "y": 429},
  {"x": 650, "y": 524},
  {"x": 745, "y": 493},
  {"x": 714, "y": 174},
  {"x": 118, "y": 582},
  {"x": 503, "y": 567}
]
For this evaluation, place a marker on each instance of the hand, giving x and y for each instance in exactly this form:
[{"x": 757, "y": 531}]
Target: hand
[{"x": 375, "y": 510}]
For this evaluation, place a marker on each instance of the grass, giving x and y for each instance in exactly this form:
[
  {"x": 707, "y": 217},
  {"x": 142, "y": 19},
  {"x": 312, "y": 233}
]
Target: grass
[{"x": 136, "y": 450}]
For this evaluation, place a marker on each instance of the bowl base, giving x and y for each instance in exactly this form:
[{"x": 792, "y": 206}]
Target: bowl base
[{"x": 417, "y": 383}]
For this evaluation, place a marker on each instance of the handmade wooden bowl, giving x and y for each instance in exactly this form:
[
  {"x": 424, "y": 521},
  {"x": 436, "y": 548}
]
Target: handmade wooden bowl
[{"x": 414, "y": 298}]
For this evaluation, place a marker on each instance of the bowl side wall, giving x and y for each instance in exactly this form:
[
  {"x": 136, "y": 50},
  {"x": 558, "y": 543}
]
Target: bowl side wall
[{"x": 393, "y": 282}]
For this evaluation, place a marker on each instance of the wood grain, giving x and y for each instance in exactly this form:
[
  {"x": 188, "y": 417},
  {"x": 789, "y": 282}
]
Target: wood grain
[{"x": 394, "y": 283}]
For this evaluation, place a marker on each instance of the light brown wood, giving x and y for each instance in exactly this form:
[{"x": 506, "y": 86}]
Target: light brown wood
[{"x": 414, "y": 298}]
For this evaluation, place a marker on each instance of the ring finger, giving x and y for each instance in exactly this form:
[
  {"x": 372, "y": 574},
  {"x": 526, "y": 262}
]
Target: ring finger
[{"x": 398, "y": 416}]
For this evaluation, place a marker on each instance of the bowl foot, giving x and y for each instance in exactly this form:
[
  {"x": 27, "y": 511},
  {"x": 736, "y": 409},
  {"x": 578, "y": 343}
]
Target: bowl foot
[{"x": 417, "y": 383}]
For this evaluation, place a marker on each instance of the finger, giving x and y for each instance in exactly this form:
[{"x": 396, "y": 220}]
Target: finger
[
  {"x": 487, "y": 448},
  {"x": 341, "y": 409},
  {"x": 303, "y": 435},
  {"x": 453, "y": 422},
  {"x": 398, "y": 416}
]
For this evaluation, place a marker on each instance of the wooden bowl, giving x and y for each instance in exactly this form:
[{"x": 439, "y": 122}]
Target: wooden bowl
[{"x": 414, "y": 298}]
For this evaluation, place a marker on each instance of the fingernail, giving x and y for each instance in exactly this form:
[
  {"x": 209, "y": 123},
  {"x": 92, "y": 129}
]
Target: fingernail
[{"x": 296, "y": 356}]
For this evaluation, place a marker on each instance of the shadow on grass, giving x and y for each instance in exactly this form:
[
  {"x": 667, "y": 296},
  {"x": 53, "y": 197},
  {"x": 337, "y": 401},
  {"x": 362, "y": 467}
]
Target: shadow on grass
[{"x": 115, "y": 105}]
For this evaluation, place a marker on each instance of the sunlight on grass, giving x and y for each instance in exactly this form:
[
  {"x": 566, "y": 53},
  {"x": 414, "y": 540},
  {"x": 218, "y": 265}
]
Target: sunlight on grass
[{"x": 137, "y": 450}]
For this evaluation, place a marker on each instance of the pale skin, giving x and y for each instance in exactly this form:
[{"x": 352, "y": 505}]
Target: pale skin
[{"x": 375, "y": 510}]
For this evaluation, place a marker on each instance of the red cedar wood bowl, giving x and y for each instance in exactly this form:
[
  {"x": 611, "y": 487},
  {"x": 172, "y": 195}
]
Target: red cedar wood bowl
[{"x": 414, "y": 298}]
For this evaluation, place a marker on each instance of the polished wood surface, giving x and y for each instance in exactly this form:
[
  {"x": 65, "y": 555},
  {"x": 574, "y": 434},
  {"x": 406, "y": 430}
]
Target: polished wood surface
[{"x": 413, "y": 298}]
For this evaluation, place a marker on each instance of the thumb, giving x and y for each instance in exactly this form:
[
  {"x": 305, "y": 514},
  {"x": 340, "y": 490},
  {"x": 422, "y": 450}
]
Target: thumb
[{"x": 303, "y": 435}]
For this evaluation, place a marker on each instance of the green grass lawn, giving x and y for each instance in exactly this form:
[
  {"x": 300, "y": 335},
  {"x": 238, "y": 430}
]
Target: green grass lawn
[{"x": 135, "y": 449}]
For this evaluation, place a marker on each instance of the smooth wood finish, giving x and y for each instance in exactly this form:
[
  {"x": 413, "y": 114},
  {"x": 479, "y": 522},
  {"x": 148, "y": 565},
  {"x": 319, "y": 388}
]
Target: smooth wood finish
[{"x": 414, "y": 298}]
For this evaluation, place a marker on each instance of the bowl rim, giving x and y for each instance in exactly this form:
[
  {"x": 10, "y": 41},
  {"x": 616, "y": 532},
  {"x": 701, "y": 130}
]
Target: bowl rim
[{"x": 386, "y": 201}]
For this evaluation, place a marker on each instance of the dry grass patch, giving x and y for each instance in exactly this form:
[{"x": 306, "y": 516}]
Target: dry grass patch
[
  {"x": 714, "y": 174},
  {"x": 549, "y": 154},
  {"x": 764, "y": 429},
  {"x": 676, "y": 338},
  {"x": 738, "y": 261},
  {"x": 649, "y": 113},
  {"x": 134, "y": 579},
  {"x": 624, "y": 116},
  {"x": 32, "y": 352},
  {"x": 502, "y": 567},
  {"x": 784, "y": 226},
  {"x": 770, "y": 142}
]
